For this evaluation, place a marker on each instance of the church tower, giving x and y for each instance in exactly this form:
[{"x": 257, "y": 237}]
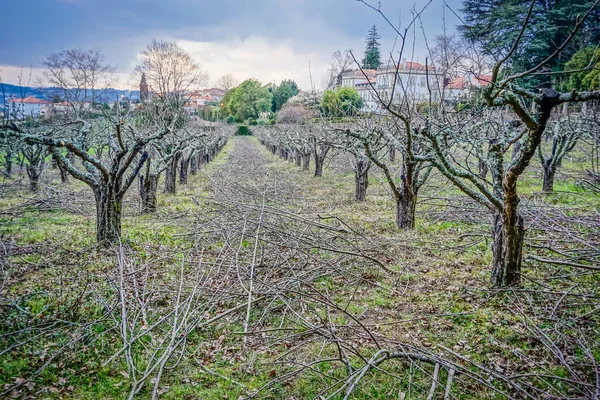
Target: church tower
[{"x": 143, "y": 89}]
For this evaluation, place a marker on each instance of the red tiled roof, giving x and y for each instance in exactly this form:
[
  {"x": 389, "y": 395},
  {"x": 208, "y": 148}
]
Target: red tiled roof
[
  {"x": 461, "y": 82},
  {"x": 483, "y": 80},
  {"x": 28, "y": 100},
  {"x": 457, "y": 83},
  {"x": 416, "y": 65}
]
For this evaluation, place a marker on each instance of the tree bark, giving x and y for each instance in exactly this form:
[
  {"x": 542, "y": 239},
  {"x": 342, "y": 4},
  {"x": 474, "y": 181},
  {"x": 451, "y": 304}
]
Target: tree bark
[
  {"x": 306, "y": 161},
  {"x": 298, "y": 158},
  {"x": 548, "y": 182},
  {"x": 34, "y": 171},
  {"x": 405, "y": 210},
  {"x": 8, "y": 159},
  {"x": 148, "y": 192},
  {"x": 392, "y": 153},
  {"x": 318, "y": 166},
  {"x": 194, "y": 164},
  {"x": 361, "y": 180},
  {"x": 507, "y": 249},
  {"x": 108, "y": 216},
  {"x": 171, "y": 175},
  {"x": 184, "y": 165},
  {"x": 483, "y": 169},
  {"x": 64, "y": 174},
  {"x": 320, "y": 157}
]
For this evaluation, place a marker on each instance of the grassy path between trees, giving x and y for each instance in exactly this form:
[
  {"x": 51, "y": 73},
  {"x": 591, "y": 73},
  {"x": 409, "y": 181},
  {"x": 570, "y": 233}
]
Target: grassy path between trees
[{"x": 258, "y": 279}]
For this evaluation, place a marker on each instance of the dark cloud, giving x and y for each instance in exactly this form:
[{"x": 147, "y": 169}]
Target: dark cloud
[{"x": 34, "y": 28}]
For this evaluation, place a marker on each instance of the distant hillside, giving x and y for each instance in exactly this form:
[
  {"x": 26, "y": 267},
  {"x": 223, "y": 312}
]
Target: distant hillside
[{"x": 109, "y": 95}]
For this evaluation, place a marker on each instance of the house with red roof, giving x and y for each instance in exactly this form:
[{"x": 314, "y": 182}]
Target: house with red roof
[
  {"x": 463, "y": 87},
  {"x": 21, "y": 108}
]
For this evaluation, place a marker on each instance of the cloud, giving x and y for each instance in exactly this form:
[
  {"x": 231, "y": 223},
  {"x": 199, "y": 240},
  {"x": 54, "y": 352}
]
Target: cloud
[
  {"x": 252, "y": 57},
  {"x": 34, "y": 77},
  {"x": 260, "y": 58}
]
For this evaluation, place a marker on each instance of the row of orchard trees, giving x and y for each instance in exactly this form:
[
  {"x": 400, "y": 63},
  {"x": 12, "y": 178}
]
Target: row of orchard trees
[
  {"x": 482, "y": 149},
  {"x": 110, "y": 151}
]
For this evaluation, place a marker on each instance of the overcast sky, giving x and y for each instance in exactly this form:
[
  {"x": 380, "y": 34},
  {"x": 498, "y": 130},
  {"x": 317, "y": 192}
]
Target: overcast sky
[{"x": 269, "y": 40}]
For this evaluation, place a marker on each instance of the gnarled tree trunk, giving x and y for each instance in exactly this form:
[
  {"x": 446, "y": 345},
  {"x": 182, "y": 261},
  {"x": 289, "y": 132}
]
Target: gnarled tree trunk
[
  {"x": 306, "y": 161},
  {"x": 184, "y": 165},
  {"x": 64, "y": 174},
  {"x": 34, "y": 171},
  {"x": 548, "y": 181},
  {"x": 406, "y": 208},
  {"x": 8, "y": 161},
  {"x": 194, "y": 164},
  {"x": 318, "y": 166},
  {"x": 108, "y": 215},
  {"x": 361, "y": 179},
  {"x": 483, "y": 168},
  {"x": 507, "y": 249},
  {"x": 148, "y": 192},
  {"x": 171, "y": 175}
]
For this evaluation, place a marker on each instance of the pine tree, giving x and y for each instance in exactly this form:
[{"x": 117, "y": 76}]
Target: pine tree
[
  {"x": 494, "y": 24},
  {"x": 372, "y": 58}
]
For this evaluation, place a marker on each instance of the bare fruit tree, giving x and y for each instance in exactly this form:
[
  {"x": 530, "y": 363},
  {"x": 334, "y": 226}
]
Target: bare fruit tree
[
  {"x": 526, "y": 124},
  {"x": 82, "y": 75}
]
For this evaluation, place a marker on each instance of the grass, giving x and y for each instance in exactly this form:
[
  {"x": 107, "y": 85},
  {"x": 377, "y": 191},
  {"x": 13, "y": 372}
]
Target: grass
[{"x": 440, "y": 295}]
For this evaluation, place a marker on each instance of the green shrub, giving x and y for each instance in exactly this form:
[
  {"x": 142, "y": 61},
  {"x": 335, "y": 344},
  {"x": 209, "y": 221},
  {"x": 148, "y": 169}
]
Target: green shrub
[
  {"x": 230, "y": 119},
  {"x": 243, "y": 130}
]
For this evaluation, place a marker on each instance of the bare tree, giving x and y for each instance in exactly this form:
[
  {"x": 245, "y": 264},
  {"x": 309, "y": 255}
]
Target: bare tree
[
  {"x": 340, "y": 62},
  {"x": 532, "y": 112},
  {"x": 227, "y": 82},
  {"x": 170, "y": 71},
  {"x": 565, "y": 132},
  {"x": 171, "y": 74},
  {"x": 82, "y": 75}
]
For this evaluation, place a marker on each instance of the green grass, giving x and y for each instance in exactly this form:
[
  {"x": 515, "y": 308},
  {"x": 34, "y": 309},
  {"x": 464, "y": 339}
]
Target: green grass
[{"x": 439, "y": 295}]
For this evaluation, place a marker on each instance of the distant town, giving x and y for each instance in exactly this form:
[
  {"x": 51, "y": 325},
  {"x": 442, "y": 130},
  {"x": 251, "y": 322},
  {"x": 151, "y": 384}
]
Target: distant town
[{"x": 417, "y": 80}]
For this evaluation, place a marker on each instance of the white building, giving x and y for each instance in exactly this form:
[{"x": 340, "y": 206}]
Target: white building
[
  {"x": 409, "y": 81},
  {"x": 463, "y": 87},
  {"x": 21, "y": 108},
  {"x": 357, "y": 77}
]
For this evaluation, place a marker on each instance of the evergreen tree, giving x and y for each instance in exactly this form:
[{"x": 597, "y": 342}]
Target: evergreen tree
[
  {"x": 372, "y": 58},
  {"x": 586, "y": 63},
  {"x": 282, "y": 93},
  {"x": 493, "y": 25}
]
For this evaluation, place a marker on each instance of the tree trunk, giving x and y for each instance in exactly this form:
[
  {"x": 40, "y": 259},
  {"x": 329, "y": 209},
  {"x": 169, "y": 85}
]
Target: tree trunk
[
  {"x": 64, "y": 174},
  {"x": 361, "y": 180},
  {"x": 148, "y": 192},
  {"x": 392, "y": 153},
  {"x": 318, "y": 166},
  {"x": 194, "y": 164},
  {"x": 306, "y": 162},
  {"x": 183, "y": 170},
  {"x": 483, "y": 168},
  {"x": 516, "y": 150},
  {"x": 171, "y": 175},
  {"x": 507, "y": 249},
  {"x": 298, "y": 158},
  {"x": 8, "y": 164},
  {"x": 34, "y": 171},
  {"x": 405, "y": 211},
  {"x": 548, "y": 182},
  {"x": 108, "y": 216}
]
